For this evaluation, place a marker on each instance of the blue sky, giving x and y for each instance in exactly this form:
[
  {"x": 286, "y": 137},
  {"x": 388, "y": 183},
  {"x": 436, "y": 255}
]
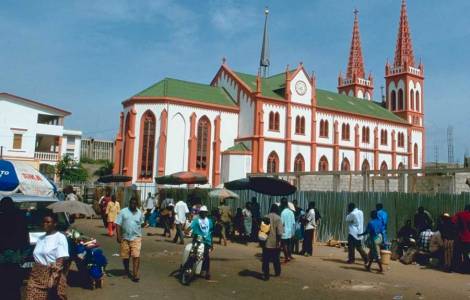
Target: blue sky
[{"x": 88, "y": 56}]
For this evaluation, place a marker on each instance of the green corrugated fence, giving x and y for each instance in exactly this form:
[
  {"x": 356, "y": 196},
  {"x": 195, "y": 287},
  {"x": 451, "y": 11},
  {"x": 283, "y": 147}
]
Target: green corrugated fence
[{"x": 333, "y": 206}]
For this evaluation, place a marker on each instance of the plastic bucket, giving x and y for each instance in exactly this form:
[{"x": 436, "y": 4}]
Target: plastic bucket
[{"x": 385, "y": 256}]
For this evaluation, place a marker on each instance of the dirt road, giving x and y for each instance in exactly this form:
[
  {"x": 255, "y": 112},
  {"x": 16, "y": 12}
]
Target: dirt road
[{"x": 235, "y": 275}]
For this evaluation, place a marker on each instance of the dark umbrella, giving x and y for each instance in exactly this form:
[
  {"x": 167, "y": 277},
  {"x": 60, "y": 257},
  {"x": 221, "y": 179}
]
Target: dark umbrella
[
  {"x": 262, "y": 184},
  {"x": 114, "y": 178},
  {"x": 239, "y": 184},
  {"x": 272, "y": 186},
  {"x": 182, "y": 178}
]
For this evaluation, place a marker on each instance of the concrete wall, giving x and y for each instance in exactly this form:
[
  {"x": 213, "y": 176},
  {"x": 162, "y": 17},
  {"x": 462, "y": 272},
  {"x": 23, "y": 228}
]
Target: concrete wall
[{"x": 352, "y": 182}]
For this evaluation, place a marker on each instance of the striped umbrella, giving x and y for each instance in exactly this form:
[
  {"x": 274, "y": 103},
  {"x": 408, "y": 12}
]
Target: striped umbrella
[
  {"x": 182, "y": 178},
  {"x": 223, "y": 194}
]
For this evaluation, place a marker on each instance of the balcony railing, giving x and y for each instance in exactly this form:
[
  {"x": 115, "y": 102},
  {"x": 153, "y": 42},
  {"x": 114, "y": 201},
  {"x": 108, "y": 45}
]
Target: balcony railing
[
  {"x": 46, "y": 156},
  {"x": 398, "y": 70},
  {"x": 358, "y": 81}
]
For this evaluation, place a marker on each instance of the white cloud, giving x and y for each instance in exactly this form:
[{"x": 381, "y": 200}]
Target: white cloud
[{"x": 230, "y": 18}]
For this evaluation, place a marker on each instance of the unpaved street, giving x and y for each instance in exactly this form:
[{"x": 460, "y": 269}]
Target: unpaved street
[{"x": 235, "y": 275}]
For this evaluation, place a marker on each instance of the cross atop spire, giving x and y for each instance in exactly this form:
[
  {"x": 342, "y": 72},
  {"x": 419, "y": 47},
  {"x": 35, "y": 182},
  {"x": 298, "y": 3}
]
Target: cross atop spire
[
  {"x": 264, "y": 60},
  {"x": 404, "y": 49},
  {"x": 356, "y": 63}
]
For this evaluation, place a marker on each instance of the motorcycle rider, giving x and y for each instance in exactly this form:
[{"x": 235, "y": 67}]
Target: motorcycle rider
[{"x": 203, "y": 226}]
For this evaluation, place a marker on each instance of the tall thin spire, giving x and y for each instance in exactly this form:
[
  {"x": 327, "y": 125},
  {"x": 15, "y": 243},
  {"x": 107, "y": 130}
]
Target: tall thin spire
[
  {"x": 264, "y": 60},
  {"x": 355, "y": 83},
  {"x": 356, "y": 62},
  {"x": 404, "y": 50}
]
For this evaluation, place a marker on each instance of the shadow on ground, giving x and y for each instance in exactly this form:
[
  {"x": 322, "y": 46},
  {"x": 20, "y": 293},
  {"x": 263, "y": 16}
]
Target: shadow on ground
[{"x": 250, "y": 273}]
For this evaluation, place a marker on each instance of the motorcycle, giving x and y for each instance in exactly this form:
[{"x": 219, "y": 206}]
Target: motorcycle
[{"x": 193, "y": 257}]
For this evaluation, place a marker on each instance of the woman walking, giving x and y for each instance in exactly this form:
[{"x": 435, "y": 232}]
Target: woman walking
[
  {"x": 47, "y": 279},
  {"x": 112, "y": 210},
  {"x": 307, "y": 248},
  {"x": 247, "y": 222}
]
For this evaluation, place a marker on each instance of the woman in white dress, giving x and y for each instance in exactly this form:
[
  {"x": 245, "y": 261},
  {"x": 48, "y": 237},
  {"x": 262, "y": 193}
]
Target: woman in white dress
[{"x": 47, "y": 279}]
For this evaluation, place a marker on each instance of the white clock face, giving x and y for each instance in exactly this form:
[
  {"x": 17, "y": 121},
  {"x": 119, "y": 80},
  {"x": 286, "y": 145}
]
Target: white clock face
[{"x": 300, "y": 87}]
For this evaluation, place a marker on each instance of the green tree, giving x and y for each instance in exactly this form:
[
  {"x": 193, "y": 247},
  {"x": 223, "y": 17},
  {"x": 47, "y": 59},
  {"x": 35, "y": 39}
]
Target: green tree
[
  {"x": 68, "y": 169},
  {"x": 105, "y": 169}
]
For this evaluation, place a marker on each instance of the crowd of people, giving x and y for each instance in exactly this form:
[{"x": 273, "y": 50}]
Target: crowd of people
[
  {"x": 445, "y": 244},
  {"x": 286, "y": 229}
]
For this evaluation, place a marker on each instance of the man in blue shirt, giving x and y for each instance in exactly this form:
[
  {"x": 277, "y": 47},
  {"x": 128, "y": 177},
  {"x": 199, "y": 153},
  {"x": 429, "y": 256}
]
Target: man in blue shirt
[
  {"x": 288, "y": 222},
  {"x": 130, "y": 221},
  {"x": 383, "y": 217},
  {"x": 375, "y": 231},
  {"x": 203, "y": 226}
]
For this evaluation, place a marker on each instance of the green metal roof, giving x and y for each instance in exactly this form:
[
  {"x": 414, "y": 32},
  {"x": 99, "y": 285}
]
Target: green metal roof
[
  {"x": 340, "y": 102},
  {"x": 269, "y": 85},
  {"x": 325, "y": 99},
  {"x": 240, "y": 147},
  {"x": 169, "y": 87}
]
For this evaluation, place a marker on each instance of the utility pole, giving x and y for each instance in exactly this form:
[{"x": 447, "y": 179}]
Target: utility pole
[{"x": 450, "y": 145}]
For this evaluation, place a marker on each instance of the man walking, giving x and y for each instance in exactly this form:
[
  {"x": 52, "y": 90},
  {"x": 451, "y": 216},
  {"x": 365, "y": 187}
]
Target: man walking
[
  {"x": 149, "y": 204},
  {"x": 226, "y": 219},
  {"x": 288, "y": 222},
  {"x": 181, "y": 211},
  {"x": 383, "y": 217},
  {"x": 129, "y": 235},
  {"x": 355, "y": 221},
  {"x": 271, "y": 248}
]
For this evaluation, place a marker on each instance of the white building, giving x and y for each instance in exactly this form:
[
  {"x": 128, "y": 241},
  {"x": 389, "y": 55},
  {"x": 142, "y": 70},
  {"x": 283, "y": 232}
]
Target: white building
[
  {"x": 32, "y": 131},
  {"x": 242, "y": 123},
  {"x": 71, "y": 144}
]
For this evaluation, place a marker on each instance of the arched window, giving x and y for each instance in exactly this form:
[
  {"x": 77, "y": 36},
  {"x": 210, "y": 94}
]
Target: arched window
[
  {"x": 394, "y": 100},
  {"x": 365, "y": 134},
  {"x": 365, "y": 166},
  {"x": 147, "y": 144},
  {"x": 271, "y": 121},
  {"x": 323, "y": 128},
  {"x": 273, "y": 163},
  {"x": 297, "y": 125},
  {"x": 126, "y": 144},
  {"x": 345, "y": 132},
  {"x": 418, "y": 100},
  {"x": 323, "y": 164},
  {"x": 412, "y": 100},
  {"x": 383, "y": 137},
  {"x": 203, "y": 144},
  {"x": 400, "y": 99},
  {"x": 383, "y": 168},
  {"x": 415, "y": 154},
  {"x": 299, "y": 163},
  {"x": 276, "y": 121},
  {"x": 345, "y": 165}
]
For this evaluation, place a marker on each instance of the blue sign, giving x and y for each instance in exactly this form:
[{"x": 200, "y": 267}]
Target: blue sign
[{"x": 8, "y": 178}]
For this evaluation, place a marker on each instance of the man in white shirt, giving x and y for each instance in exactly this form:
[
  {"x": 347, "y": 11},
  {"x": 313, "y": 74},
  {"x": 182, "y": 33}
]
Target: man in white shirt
[
  {"x": 355, "y": 221},
  {"x": 149, "y": 204},
  {"x": 181, "y": 210}
]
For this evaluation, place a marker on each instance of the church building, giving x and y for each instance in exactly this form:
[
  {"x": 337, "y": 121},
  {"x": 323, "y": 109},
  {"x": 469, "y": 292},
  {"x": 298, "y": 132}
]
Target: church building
[{"x": 253, "y": 123}]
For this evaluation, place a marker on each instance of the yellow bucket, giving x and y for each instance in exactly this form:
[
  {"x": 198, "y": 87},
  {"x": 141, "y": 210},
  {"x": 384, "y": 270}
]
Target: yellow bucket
[{"x": 385, "y": 256}]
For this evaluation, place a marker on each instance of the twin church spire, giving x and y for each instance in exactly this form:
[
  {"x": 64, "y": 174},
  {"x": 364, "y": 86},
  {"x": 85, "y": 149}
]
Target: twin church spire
[{"x": 355, "y": 83}]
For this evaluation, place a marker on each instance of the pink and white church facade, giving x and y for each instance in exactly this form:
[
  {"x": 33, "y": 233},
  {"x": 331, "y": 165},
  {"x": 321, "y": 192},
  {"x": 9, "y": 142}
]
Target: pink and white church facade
[{"x": 242, "y": 123}]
